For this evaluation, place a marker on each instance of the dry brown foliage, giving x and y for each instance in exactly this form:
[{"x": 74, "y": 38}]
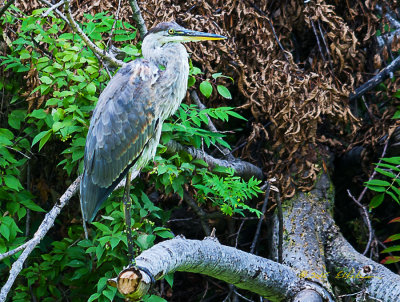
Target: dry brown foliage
[{"x": 297, "y": 98}]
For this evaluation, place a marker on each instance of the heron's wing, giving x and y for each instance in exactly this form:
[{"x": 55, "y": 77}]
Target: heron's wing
[{"x": 122, "y": 124}]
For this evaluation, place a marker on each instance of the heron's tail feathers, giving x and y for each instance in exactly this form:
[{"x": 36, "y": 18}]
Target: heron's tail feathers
[{"x": 93, "y": 196}]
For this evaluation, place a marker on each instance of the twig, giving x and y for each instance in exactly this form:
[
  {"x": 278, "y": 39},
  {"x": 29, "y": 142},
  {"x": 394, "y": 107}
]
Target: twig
[
  {"x": 199, "y": 212},
  {"x": 321, "y": 31},
  {"x": 371, "y": 116},
  {"x": 60, "y": 14},
  {"x": 263, "y": 209},
  {"x": 272, "y": 27},
  {"x": 362, "y": 207},
  {"x": 374, "y": 173},
  {"x": 317, "y": 37},
  {"x": 137, "y": 17},
  {"x": 238, "y": 232},
  {"x": 109, "y": 42},
  {"x": 44, "y": 227},
  {"x": 366, "y": 220},
  {"x": 93, "y": 47},
  {"x": 5, "y": 7},
  {"x": 376, "y": 80},
  {"x": 280, "y": 218},
  {"x": 14, "y": 251},
  {"x": 225, "y": 151},
  {"x": 45, "y": 14},
  {"x": 23, "y": 154}
]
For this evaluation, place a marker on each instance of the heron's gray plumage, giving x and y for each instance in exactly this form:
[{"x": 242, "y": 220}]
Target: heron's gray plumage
[{"x": 126, "y": 124}]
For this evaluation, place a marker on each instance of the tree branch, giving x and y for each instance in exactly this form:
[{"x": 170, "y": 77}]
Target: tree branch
[
  {"x": 358, "y": 272},
  {"x": 242, "y": 168},
  {"x": 44, "y": 227},
  {"x": 5, "y": 7},
  {"x": 112, "y": 61},
  {"x": 376, "y": 80},
  {"x": 272, "y": 280},
  {"x": 137, "y": 17}
]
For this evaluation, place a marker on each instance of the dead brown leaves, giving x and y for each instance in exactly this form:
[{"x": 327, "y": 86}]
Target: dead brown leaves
[{"x": 301, "y": 95}]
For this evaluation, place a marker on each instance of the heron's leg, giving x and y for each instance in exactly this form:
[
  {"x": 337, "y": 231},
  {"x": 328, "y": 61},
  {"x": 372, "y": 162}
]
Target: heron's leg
[{"x": 128, "y": 205}]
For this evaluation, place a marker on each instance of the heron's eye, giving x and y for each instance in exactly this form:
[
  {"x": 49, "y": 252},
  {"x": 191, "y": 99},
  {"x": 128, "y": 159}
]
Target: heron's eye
[{"x": 171, "y": 31}]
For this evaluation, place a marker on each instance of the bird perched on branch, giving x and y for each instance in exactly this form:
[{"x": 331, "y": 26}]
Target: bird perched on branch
[{"x": 126, "y": 124}]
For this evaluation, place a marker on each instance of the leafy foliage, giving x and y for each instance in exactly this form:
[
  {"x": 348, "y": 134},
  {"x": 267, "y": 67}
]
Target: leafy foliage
[
  {"x": 62, "y": 81},
  {"x": 389, "y": 169}
]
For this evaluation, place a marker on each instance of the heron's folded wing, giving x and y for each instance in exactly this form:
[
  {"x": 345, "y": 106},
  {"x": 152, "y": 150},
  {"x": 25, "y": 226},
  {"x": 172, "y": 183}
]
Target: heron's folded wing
[{"x": 122, "y": 123}]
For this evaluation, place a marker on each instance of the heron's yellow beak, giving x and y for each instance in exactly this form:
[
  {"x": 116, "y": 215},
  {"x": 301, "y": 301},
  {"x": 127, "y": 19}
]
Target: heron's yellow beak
[{"x": 191, "y": 35}]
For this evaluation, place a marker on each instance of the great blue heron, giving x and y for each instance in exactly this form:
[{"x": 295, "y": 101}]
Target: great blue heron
[{"x": 126, "y": 124}]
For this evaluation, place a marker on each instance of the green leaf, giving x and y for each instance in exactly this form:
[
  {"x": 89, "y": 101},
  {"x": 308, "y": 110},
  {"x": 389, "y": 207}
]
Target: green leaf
[
  {"x": 395, "y": 248},
  {"x": 32, "y": 206},
  {"x": 44, "y": 139},
  {"x": 390, "y": 259},
  {"x": 39, "y": 136},
  {"x": 38, "y": 113},
  {"x": 376, "y": 200},
  {"x": 46, "y": 80},
  {"x": 396, "y": 115},
  {"x": 392, "y": 160},
  {"x": 206, "y": 88},
  {"x": 378, "y": 182},
  {"x": 154, "y": 298},
  {"x": 392, "y": 238},
  {"x": 102, "y": 227},
  {"x": 5, "y": 231},
  {"x": 110, "y": 293},
  {"x": 94, "y": 297},
  {"x": 222, "y": 90},
  {"x": 170, "y": 279},
  {"x": 191, "y": 81},
  {"x": 12, "y": 182},
  {"x": 75, "y": 263},
  {"x": 91, "y": 88},
  {"x": 237, "y": 115}
]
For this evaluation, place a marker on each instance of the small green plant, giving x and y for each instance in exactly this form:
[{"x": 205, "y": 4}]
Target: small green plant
[{"x": 389, "y": 169}]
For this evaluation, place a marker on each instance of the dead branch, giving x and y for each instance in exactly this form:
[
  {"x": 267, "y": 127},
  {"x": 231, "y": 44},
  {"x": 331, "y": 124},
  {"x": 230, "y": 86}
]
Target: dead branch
[
  {"x": 107, "y": 58},
  {"x": 6, "y": 6},
  {"x": 244, "y": 270},
  {"x": 44, "y": 227},
  {"x": 263, "y": 209},
  {"x": 242, "y": 168},
  {"x": 199, "y": 212},
  {"x": 137, "y": 17},
  {"x": 376, "y": 80}
]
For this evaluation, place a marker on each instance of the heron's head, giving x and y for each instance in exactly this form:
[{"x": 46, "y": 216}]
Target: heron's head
[{"x": 169, "y": 32}]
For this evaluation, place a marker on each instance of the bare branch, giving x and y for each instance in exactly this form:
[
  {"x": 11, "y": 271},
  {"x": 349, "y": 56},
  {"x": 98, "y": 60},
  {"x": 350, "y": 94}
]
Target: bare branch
[
  {"x": 46, "y": 13},
  {"x": 376, "y": 80},
  {"x": 60, "y": 14},
  {"x": 137, "y": 17},
  {"x": 263, "y": 209},
  {"x": 93, "y": 47},
  {"x": 244, "y": 270},
  {"x": 242, "y": 168},
  {"x": 5, "y": 7},
  {"x": 198, "y": 210},
  {"x": 44, "y": 227},
  {"x": 367, "y": 221}
]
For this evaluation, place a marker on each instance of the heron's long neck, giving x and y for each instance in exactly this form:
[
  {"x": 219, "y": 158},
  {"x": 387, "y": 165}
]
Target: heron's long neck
[{"x": 173, "y": 82}]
